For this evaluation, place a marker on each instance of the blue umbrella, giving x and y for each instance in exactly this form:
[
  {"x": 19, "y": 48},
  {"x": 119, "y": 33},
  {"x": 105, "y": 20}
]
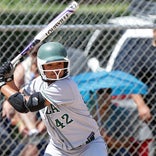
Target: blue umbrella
[{"x": 120, "y": 82}]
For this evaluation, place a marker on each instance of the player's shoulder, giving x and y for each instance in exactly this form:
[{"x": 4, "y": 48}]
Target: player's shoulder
[
  {"x": 38, "y": 79},
  {"x": 66, "y": 81},
  {"x": 35, "y": 84},
  {"x": 66, "y": 85}
]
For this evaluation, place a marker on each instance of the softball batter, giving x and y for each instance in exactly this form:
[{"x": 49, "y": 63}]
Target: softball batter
[{"x": 72, "y": 130}]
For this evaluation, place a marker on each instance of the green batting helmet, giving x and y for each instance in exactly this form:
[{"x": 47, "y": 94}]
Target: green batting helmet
[{"x": 52, "y": 52}]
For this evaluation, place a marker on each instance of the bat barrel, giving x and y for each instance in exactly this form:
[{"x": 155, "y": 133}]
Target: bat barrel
[
  {"x": 57, "y": 21},
  {"x": 45, "y": 32}
]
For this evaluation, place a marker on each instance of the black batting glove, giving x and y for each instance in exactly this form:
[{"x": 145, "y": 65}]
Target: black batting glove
[
  {"x": 2, "y": 79},
  {"x": 6, "y": 73},
  {"x": 9, "y": 70}
]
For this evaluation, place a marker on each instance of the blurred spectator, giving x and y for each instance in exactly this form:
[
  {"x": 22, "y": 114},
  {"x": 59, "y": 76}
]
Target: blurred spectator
[
  {"x": 143, "y": 139},
  {"x": 141, "y": 65},
  {"x": 118, "y": 124},
  {"x": 29, "y": 125},
  {"x": 8, "y": 138}
]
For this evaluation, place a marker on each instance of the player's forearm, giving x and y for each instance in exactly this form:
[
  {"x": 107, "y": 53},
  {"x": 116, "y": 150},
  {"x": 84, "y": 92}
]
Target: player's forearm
[{"x": 9, "y": 89}]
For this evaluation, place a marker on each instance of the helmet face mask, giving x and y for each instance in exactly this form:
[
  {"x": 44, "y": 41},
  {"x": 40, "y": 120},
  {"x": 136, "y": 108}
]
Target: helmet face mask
[
  {"x": 52, "y": 53},
  {"x": 56, "y": 72}
]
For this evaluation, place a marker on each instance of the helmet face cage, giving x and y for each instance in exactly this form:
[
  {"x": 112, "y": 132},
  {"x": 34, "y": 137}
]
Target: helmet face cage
[{"x": 55, "y": 71}]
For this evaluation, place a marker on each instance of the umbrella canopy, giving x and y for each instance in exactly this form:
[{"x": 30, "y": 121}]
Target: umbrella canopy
[{"x": 120, "y": 82}]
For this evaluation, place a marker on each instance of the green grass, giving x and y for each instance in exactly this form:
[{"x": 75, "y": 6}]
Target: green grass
[
  {"x": 33, "y": 7},
  {"x": 109, "y": 8},
  {"x": 36, "y": 6}
]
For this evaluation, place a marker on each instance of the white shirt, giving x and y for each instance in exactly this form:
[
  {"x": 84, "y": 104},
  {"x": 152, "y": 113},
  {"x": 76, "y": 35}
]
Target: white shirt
[{"x": 67, "y": 119}]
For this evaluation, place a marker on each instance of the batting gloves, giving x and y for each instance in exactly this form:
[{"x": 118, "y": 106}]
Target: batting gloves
[{"x": 6, "y": 73}]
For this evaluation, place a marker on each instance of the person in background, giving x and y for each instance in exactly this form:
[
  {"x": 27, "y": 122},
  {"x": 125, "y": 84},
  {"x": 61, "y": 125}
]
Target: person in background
[
  {"x": 142, "y": 70},
  {"x": 138, "y": 109},
  {"x": 117, "y": 123},
  {"x": 28, "y": 124},
  {"x": 55, "y": 95}
]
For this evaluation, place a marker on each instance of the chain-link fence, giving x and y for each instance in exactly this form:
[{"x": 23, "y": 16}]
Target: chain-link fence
[{"x": 116, "y": 37}]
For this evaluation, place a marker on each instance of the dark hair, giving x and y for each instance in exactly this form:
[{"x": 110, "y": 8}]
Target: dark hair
[{"x": 106, "y": 90}]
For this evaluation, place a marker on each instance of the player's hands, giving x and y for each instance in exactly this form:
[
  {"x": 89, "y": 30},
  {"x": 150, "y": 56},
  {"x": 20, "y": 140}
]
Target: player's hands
[{"x": 6, "y": 73}]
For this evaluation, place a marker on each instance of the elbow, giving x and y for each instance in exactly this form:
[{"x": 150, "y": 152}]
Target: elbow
[{"x": 18, "y": 101}]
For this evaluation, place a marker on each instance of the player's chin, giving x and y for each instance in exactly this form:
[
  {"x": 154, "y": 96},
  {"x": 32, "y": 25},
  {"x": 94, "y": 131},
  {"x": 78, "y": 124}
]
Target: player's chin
[{"x": 52, "y": 77}]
